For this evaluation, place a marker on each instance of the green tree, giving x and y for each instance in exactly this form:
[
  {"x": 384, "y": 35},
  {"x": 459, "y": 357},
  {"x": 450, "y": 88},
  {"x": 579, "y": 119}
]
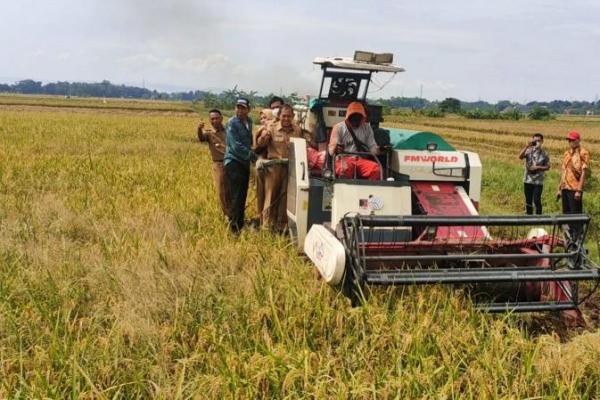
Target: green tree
[
  {"x": 450, "y": 105},
  {"x": 540, "y": 113},
  {"x": 433, "y": 112}
]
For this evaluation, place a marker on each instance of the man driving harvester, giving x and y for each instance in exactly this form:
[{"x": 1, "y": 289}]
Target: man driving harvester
[{"x": 354, "y": 134}]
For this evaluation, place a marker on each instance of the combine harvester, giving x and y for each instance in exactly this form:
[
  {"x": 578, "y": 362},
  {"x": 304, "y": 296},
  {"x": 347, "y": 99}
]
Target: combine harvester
[{"x": 419, "y": 224}]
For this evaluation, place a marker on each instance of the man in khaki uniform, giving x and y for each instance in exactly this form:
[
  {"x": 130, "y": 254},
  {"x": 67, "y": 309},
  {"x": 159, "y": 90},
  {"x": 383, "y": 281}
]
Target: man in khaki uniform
[
  {"x": 276, "y": 139},
  {"x": 216, "y": 145},
  {"x": 266, "y": 118}
]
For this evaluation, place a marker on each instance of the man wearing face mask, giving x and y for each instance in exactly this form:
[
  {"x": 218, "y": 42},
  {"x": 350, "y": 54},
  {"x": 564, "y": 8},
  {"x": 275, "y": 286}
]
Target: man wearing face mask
[
  {"x": 276, "y": 139},
  {"x": 275, "y": 106},
  {"x": 266, "y": 118},
  {"x": 354, "y": 135}
]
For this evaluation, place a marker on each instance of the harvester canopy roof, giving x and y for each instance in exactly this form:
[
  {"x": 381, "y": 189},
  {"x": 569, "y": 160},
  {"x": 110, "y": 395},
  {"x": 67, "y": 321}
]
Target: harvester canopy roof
[
  {"x": 350, "y": 63},
  {"x": 404, "y": 139}
]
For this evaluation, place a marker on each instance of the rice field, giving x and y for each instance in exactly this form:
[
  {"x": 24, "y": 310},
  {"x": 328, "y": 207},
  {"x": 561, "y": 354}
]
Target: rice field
[
  {"x": 110, "y": 104},
  {"x": 118, "y": 279}
]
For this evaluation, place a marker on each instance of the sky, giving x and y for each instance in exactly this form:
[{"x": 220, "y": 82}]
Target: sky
[{"x": 472, "y": 50}]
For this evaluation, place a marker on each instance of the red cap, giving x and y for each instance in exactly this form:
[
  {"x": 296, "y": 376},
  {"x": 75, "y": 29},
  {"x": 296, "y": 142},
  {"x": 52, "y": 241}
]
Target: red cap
[{"x": 573, "y": 135}]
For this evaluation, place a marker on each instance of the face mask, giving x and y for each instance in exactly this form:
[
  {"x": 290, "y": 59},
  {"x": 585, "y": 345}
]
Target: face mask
[
  {"x": 355, "y": 119},
  {"x": 275, "y": 112}
]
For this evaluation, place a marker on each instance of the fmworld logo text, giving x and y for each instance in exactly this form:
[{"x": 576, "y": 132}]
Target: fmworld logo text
[{"x": 430, "y": 158}]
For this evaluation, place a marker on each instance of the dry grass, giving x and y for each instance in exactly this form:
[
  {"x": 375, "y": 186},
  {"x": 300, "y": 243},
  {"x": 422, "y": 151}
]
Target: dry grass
[
  {"x": 94, "y": 103},
  {"x": 118, "y": 279}
]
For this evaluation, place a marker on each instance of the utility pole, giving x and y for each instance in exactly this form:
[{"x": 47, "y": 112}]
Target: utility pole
[{"x": 421, "y": 92}]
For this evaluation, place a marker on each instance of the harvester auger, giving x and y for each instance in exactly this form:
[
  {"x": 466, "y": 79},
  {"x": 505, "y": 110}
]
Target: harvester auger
[{"x": 419, "y": 224}]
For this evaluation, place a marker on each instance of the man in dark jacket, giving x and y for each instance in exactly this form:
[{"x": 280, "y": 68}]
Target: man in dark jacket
[{"x": 237, "y": 159}]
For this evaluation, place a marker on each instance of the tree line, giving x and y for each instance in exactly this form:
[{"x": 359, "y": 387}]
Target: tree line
[
  {"x": 504, "y": 109},
  {"x": 98, "y": 89},
  {"x": 226, "y": 99}
]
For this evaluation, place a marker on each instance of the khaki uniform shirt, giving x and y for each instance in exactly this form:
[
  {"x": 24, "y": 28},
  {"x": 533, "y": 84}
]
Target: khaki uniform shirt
[
  {"x": 216, "y": 143},
  {"x": 277, "y": 144},
  {"x": 573, "y": 163}
]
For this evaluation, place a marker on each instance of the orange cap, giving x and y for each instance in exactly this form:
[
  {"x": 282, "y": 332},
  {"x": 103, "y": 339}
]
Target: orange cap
[{"x": 356, "y": 108}]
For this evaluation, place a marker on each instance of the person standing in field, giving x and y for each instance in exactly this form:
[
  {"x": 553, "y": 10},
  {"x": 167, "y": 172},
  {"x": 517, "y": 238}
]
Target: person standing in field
[
  {"x": 266, "y": 117},
  {"x": 537, "y": 163},
  {"x": 276, "y": 139},
  {"x": 575, "y": 169},
  {"x": 237, "y": 159},
  {"x": 216, "y": 145}
]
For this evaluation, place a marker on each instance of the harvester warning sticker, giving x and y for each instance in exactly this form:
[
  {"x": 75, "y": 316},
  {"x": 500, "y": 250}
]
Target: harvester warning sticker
[{"x": 373, "y": 203}]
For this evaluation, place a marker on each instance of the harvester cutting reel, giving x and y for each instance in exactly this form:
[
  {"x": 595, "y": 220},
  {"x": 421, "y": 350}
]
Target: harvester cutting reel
[{"x": 510, "y": 263}]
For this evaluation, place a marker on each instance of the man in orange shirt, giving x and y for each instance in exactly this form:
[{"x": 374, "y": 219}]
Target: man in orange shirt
[{"x": 575, "y": 169}]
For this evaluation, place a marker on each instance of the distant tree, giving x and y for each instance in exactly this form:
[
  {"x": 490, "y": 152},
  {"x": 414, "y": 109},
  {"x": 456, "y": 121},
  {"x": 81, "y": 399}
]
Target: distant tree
[
  {"x": 477, "y": 105},
  {"x": 211, "y": 100},
  {"x": 414, "y": 103},
  {"x": 481, "y": 114},
  {"x": 540, "y": 113},
  {"x": 293, "y": 98},
  {"x": 503, "y": 105},
  {"x": 433, "y": 112},
  {"x": 450, "y": 105},
  {"x": 228, "y": 97},
  {"x": 386, "y": 110},
  {"x": 511, "y": 113},
  {"x": 28, "y": 86}
]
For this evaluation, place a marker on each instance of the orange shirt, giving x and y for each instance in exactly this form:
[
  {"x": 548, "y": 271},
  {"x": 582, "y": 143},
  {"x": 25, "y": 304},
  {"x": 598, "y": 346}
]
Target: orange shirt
[{"x": 574, "y": 162}]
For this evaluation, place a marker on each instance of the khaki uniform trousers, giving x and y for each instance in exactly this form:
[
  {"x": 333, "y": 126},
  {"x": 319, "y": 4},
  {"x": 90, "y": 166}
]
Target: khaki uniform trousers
[
  {"x": 260, "y": 192},
  {"x": 220, "y": 186},
  {"x": 275, "y": 205}
]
